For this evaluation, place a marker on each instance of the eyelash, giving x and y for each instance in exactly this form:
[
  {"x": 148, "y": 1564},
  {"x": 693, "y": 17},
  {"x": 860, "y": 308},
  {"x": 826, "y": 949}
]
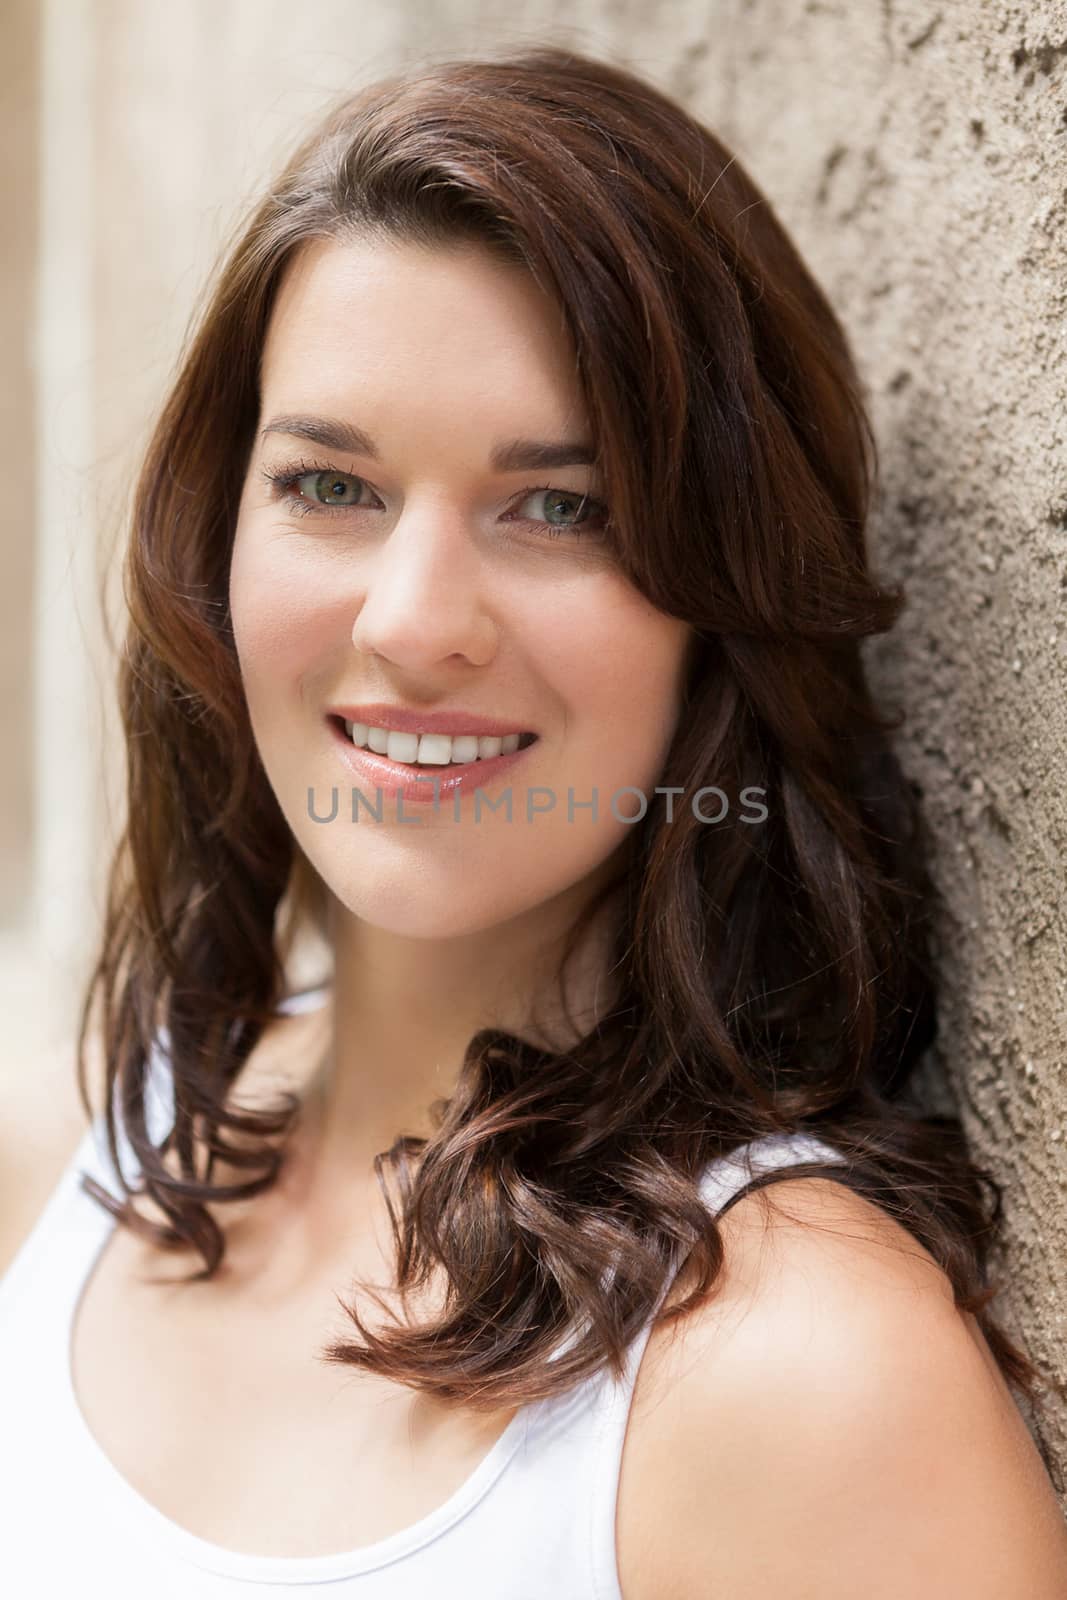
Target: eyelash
[{"x": 283, "y": 480}]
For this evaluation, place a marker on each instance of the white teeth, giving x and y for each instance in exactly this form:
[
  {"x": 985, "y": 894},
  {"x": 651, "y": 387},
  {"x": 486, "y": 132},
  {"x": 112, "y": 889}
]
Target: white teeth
[
  {"x": 431, "y": 749},
  {"x": 401, "y": 746},
  {"x": 434, "y": 748}
]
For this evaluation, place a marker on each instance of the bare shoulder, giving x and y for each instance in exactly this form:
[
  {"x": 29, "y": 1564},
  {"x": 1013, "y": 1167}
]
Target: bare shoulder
[
  {"x": 42, "y": 1121},
  {"x": 828, "y": 1424}
]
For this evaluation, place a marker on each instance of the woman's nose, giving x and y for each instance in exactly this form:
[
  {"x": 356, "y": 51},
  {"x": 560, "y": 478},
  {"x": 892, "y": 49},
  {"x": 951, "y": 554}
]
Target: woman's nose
[{"x": 422, "y": 598}]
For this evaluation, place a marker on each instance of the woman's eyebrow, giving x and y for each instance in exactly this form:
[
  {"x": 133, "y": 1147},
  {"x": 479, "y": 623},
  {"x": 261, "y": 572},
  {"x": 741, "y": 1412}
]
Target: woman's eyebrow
[
  {"x": 522, "y": 455},
  {"x": 513, "y": 455},
  {"x": 327, "y": 431}
]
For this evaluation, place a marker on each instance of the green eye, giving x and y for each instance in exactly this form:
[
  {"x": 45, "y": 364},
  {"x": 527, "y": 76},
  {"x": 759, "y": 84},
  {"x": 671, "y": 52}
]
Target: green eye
[
  {"x": 553, "y": 499},
  {"x": 333, "y": 488},
  {"x": 580, "y": 513},
  {"x": 305, "y": 488}
]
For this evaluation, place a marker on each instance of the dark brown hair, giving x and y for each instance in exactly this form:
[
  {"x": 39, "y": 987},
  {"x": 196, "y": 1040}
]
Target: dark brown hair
[{"x": 770, "y": 978}]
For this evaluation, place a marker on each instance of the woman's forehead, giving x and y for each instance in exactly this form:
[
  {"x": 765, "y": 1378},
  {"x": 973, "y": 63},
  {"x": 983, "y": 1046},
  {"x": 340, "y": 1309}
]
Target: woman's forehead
[
  {"x": 389, "y": 337},
  {"x": 410, "y": 297}
]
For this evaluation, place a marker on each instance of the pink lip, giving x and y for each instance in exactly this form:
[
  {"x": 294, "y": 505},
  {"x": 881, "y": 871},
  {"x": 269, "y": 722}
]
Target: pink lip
[
  {"x": 395, "y": 780},
  {"x": 400, "y": 720}
]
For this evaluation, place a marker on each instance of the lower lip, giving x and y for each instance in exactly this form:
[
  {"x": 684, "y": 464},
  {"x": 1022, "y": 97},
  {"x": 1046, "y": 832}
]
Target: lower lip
[{"x": 397, "y": 781}]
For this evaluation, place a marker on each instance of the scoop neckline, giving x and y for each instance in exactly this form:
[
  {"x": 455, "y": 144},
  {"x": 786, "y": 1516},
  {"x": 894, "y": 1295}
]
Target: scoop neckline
[{"x": 216, "y": 1558}]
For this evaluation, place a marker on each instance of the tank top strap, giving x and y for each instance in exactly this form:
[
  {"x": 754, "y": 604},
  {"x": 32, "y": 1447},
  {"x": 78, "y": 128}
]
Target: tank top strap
[
  {"x": 305, "y": 1000},
  {"x": 722, "y": 1181},
  {"x": 159, "y": 1084}
]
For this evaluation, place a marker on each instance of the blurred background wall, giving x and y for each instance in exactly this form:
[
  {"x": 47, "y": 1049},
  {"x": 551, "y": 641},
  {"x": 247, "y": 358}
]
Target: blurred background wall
[{"x": 918, "y": 152}]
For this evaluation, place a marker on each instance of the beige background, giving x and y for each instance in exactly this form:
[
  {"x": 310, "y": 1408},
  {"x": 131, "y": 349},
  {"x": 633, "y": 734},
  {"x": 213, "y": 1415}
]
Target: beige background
[{"x": 919, "y": 154}]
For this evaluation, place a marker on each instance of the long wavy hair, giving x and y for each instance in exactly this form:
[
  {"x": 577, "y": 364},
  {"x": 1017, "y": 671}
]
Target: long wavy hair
[{"x": 769, "y": 978}]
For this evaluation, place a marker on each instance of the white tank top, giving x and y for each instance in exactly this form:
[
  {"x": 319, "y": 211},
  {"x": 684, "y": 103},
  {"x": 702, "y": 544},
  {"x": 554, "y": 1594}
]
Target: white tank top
[{"x": 536, "y": 1518}]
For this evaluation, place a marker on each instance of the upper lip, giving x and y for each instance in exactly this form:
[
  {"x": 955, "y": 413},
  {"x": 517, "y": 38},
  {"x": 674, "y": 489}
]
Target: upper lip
[{"x": 398, "y": 719}]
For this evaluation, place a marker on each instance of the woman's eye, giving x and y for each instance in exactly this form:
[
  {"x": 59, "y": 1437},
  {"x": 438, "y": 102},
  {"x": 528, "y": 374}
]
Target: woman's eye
[
  {"x": 331, "y": 488},
  {"x": 564, "y": 511}
]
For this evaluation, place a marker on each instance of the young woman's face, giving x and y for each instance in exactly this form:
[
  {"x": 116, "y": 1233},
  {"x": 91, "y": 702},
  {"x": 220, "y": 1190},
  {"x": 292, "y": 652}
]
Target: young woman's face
[{"x": 413, "y": 569}]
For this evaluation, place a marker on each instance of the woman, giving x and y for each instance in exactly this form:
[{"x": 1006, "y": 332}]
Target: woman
[{"x": 496, "y": 583}]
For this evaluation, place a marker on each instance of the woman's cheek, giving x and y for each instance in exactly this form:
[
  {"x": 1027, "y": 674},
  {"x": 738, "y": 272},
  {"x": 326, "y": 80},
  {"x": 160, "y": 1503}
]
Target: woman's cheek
[
  {"x": 282, "y": 618},
  {"x": 633, "y": 669}
]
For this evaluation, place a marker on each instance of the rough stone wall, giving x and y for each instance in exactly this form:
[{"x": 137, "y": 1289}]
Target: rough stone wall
[{"x": 918, "y": 152}]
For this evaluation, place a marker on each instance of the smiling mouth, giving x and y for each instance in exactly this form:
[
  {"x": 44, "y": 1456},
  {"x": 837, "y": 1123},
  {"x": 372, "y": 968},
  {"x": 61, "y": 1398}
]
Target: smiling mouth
[{"x": 473, "y": 750}]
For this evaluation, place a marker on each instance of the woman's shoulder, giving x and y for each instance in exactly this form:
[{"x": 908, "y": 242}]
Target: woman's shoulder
[{"x": 830, "y": 1411}]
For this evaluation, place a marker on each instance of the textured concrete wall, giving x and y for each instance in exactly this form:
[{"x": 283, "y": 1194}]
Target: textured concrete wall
[{"x": 919, "y": 154}]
